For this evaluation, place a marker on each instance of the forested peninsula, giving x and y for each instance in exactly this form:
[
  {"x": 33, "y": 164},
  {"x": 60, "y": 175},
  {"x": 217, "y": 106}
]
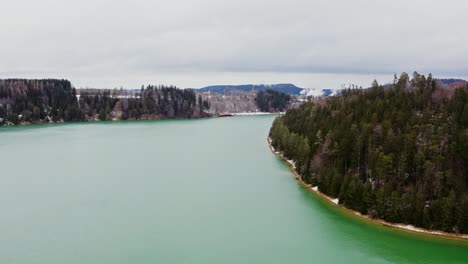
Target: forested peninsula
[
  {"x": 49, "y": 100},
  {"x": 30, "y": 101},
  {"x": 397, "y": 152}
]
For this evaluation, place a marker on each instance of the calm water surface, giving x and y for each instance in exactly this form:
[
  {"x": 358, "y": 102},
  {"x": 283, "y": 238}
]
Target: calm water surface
[{"x": 182, "y": 191}]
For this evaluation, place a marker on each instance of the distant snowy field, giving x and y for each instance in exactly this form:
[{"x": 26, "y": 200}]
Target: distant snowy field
[{"x": 319, "y": 92}]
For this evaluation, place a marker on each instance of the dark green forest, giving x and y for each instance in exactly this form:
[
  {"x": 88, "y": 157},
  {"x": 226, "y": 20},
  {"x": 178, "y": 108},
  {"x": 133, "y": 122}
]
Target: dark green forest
[
  {"x": 50, "y": 100},
  {"x": 397, "y": 152},
  {"x": 28, "y": 100},
  {"x": 272, "y": 101}
]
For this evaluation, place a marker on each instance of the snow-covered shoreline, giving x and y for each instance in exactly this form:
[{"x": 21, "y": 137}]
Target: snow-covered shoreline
[
  {"x": 298, "y": 177},
  {"x": 405, "y": 227},
  {"x": 254, "y": 113}
]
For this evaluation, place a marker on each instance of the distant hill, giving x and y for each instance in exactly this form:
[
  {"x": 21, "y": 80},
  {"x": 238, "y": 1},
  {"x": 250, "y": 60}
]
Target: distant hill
[
  {"x": 451, "y": 81},
  {"x": 286, "y": 88}
]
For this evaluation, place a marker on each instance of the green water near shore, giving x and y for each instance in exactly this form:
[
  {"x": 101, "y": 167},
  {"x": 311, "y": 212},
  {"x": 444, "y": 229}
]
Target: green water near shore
[{"x": 178, "y": 191}]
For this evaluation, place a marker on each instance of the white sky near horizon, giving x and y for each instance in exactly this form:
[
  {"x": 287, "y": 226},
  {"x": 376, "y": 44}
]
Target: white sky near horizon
[{"x": 195, "y": 43}]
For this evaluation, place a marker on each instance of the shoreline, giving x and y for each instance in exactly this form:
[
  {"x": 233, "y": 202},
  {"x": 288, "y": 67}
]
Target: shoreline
[
  {"x": 92, "y": 120},
  {"x": 256, "y": 113},
  {"x": 95, "y": 121},
  {"x": 335, "y": 201}
]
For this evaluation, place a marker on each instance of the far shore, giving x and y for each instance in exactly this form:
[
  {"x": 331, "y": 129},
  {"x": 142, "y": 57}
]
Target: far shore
[
  {"x": 144, "y": 118},
  {"x": 335, "y": 201},
  {"x": 256, "y": 113}
]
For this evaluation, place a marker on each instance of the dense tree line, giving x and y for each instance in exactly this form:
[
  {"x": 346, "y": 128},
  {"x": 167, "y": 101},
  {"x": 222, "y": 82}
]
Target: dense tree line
[
  {"x": 98, "y": 106},
  {"x": 38, "y": 101},
  {"x": 31, "y": 100},
  {"x": 165, "y": 102},
  {"x": 398, "y": 153},
  {"x": 272, "y": 101}
]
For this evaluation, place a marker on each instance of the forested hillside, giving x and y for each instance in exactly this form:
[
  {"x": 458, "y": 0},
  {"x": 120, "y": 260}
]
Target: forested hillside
[
  {"x": 286, "y": 88},
  {"x": 398, "y": 154},
  {"x": 40, "y": 101},
  {"x": 151, "y": 103},
  {"x": 272, "y": 101}
]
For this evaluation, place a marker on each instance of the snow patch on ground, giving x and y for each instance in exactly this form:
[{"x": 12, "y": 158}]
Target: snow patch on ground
[
  {"x": 292, "y": 163},
  {"x": 312, "y": 92},
  {"x": 318, "y": 92},
  {"x": 251, "y": 113},
  {"x": 413, "y": 228}
]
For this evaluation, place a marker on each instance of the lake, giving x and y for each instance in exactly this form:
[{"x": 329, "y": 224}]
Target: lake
[{"x": 178, "y": 191}]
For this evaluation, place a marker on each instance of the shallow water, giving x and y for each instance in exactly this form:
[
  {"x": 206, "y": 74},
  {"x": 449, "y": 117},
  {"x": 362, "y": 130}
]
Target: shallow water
[{"x": 179, "y": 191}]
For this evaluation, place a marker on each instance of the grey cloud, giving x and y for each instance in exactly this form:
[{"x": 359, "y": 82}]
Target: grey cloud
[{"x": 102, "y": 39}]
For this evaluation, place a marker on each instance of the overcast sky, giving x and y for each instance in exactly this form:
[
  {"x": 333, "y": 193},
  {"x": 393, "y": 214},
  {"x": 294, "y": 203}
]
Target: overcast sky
[{"x": 193, "y": 43}]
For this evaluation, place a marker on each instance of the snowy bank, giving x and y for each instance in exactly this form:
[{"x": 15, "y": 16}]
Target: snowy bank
[
  {"x": 254, "y": 113},
  {"x": 335, "y": 201}
]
